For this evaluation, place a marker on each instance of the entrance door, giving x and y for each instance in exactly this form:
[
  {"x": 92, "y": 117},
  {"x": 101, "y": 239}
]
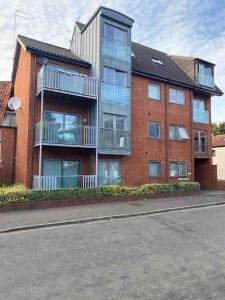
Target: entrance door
[{"x": 109, "y": 172}]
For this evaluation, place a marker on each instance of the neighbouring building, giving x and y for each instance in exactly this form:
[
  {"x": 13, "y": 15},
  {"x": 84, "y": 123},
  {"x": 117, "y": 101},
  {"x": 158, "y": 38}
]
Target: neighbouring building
[
  {"x": 7, "y": 135},
  {"x": 218, "y": 145},
  {"x": 110, "y": 111}
]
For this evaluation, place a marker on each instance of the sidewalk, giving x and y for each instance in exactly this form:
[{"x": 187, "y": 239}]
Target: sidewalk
[{"x": 42, "y": 216}]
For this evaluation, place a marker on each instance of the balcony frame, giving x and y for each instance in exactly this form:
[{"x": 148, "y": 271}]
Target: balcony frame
[{"x": 40, "y": 88}]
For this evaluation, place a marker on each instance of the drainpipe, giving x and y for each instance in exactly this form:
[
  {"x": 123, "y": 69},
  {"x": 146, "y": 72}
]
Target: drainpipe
[
  {"x": 166, "y": 134},
  {"x": 41, "y": 128},
  {"x": 192, "y": 138},
  {"x": 97, "y": 136}
]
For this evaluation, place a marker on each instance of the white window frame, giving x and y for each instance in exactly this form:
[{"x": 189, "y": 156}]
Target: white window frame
[
  {"x": 177, "y": 101},
  {"x": 159, "y": 91}
]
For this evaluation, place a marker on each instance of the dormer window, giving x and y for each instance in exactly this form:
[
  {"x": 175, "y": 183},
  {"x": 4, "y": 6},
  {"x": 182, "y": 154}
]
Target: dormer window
[
  {"x": 157, "y": 61},
  {"x": 205, "y": 74}
]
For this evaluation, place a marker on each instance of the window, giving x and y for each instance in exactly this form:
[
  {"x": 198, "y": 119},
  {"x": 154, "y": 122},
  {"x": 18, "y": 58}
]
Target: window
[
  {"x": 64, "y": 171},
  {"x": 114, "y": 134},
  {"x": 109, "y": 172},
  {"x": 115, "y": 43},
  {"x": 9, "y": 119},
  {"x": 114, "y": 87},
  {"x": 200, "y": 141},
  {"x": 176, "y": 96},
  {"x": 154, "y": 91},
  {"x": 154, "y": 130},
  {"x": 178, "y": 169},
  {"x": 157, "y": 61},
  {"x": 205, "y": 75},
  {"x": 114, "y": 76},
  {"x": 199, "y": 104},
  {"x": 178, "y": 133},
  {"x": 154, "y": 169},
  {"x": 115, "y": 33}
]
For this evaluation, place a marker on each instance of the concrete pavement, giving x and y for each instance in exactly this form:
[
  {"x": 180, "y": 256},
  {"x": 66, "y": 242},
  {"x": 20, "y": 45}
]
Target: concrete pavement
[
  {"x": 174, "y": 256},
  {"x": 42, "y": 216}
]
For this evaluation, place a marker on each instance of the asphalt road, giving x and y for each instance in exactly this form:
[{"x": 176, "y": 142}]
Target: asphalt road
[{"x": 178, "y": 255}]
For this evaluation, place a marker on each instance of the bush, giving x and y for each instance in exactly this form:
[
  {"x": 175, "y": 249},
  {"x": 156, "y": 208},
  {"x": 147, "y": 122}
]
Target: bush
[{"x": 18, "y": 193}]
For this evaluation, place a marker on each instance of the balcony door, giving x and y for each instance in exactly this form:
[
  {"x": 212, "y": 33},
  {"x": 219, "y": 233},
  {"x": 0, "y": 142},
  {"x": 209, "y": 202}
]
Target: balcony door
[
  {"x": 200, "y": 142},
  {"x": 109, "y": 172},
  {"x": 114, "y": 130},
  {"x": 62, "y": 128},
  {"x": 64, "y": 172}
]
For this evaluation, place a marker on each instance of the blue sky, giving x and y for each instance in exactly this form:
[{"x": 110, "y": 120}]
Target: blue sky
[{"x": 184, "y": 27}]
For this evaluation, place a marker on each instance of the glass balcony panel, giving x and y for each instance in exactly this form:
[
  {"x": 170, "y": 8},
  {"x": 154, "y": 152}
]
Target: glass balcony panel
[{"x": 201, "y": 116}]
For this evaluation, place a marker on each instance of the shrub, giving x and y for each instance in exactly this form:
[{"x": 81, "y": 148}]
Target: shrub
[{"x": 18, "y": 193}]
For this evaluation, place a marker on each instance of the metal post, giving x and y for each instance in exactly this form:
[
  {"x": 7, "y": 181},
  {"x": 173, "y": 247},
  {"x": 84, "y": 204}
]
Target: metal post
[
  {"x": 97, "y": 135},
  {"x": 41, "y": 128}
]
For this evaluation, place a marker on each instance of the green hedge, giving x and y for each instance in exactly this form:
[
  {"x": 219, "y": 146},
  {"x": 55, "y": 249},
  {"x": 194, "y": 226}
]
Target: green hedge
[{"x": 18, "y": 193}]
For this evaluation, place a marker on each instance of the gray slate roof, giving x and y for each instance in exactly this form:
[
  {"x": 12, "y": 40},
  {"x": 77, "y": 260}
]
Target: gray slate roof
[
  {"x": 141, "y": 61},
  {"x": 171, "y": 71},
  {"x": 48, "y": 49}
]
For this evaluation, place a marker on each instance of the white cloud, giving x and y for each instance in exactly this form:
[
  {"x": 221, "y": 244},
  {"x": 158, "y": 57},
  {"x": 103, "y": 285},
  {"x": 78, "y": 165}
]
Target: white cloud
[{"x": 186, "y": 27}]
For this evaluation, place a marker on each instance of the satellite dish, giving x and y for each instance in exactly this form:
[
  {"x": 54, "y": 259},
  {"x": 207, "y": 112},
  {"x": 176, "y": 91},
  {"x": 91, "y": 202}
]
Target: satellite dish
[{"x": 14, "y": 103}]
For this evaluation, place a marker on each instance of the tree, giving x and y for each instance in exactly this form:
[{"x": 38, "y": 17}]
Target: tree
[{"x": 218, "y": 128}]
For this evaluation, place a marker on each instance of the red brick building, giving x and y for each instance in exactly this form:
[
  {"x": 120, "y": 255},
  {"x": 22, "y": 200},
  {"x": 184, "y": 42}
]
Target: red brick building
[{"x": 110, "y": 111}]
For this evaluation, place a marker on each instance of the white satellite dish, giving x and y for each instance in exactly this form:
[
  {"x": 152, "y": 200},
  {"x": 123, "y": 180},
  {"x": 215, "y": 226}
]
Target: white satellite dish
[{"x": 14, "y": 103}]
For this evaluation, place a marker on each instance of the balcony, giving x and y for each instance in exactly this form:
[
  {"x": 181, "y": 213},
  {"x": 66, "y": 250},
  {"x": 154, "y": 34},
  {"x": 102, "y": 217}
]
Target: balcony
[
  {"x": 116, "y": 49},
  {"x": 63, "y": 81},
  {"x": 115, "y": 139},
  {"x": 201, "y": 116},
  {"x": 65, "y": 134},
  {"x": 56, "y": 182},
  {"x": 115, "y": 93}
]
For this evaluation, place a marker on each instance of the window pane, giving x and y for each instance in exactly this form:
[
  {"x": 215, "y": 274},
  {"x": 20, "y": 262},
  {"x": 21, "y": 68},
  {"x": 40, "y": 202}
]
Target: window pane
[
  {"x": 109, "y": 31},
  {"x": 109, "y": 75},
  {"x": 108, "y": 47},
  {"x": 121, "y": 78},
  {"x": 120, "y": 123},
  {"x": 121, "y": 35},
  {"x": 176, "y": 96},
  {"x": 53, "y": 117},
  {"x": 154, "y": 130},
  {"x": 173, "y": 169},
  {"x": 182, "y": 169},
  {"x": 154, "y": 169},
  {"x": 121, "y": 51},
  {"x": 183, "y": 133},
  {"x": 154, "y": 91},
  {"x": 196, "y": 141},
  {"x": 203, "y": 141},
  {"x": 180, "y": 97},
  {"x": 108, "y": 122},
  {"x": 172, "y": 95},
  {"x": 173, "y": 132}
]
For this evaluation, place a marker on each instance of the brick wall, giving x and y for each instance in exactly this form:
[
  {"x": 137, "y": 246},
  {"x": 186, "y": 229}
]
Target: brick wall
[{"x": 145, "y": 149}]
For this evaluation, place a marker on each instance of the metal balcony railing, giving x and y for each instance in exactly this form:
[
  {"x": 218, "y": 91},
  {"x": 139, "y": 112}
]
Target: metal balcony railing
[
  {"x": 201, "y": 116},
  {"x": 67, "y": 81},
  {"x": 57, "y": 182},
  {"x": 117, "y": 139},
  {"x": 65, "y": 134}
]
